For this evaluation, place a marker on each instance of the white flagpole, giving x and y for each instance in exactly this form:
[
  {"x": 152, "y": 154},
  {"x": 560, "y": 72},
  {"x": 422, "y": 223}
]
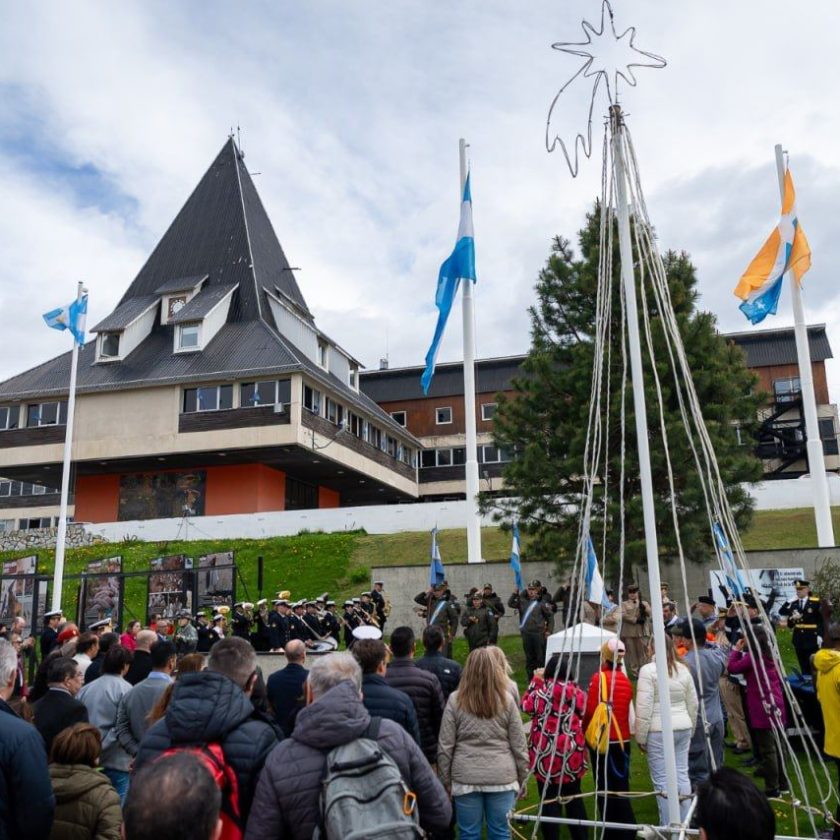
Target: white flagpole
[
  {"x": 816, "y": 461},
  {"x": 645, "y": 476},
  {"x": 61, "y": 536},
  {"x": 471, "y": 467}
]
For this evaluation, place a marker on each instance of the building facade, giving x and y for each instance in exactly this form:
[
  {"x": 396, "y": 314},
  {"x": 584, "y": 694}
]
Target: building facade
[{"x": 209, "y": 390}]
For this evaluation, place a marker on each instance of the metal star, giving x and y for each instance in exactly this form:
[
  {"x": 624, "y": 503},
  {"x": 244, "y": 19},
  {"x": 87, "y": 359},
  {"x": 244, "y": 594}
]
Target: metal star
[{"x": 609, "y": 57}]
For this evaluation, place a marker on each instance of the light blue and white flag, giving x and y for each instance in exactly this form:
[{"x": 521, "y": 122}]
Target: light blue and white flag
[
  {"x": 459, "y": 266},
  {"x": 436, "y": 573},
  {"x": 71, "y": 317},
  {"x": 734, "y": 581},
  {"x": 514, "y": 558},
  {"x": 595, "y": 592}
]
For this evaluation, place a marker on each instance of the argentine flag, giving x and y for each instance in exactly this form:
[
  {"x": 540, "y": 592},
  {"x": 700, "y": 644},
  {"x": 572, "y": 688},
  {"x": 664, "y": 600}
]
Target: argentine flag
[
  {"x": 71, "y": 317},
  {"x": 459, "y": 266},
  {"x": 436, "y": 573},
  {"x": 595, "y": 592},
  {"x": 514, "y": 558},
  {"x": 734, "y": 581},
  {"x": 786, "y": 249}
]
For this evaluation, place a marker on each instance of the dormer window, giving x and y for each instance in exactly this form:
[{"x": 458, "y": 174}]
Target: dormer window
[
  {"x": 354, "y": 377},
  {"x": 189, "y": 336},
  {"x": 323, "y": 354},
  {"x": 109, "y": 345}
]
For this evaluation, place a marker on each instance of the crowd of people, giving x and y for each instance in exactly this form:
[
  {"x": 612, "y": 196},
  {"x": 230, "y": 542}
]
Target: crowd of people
[{"x": 153, "y": 733}]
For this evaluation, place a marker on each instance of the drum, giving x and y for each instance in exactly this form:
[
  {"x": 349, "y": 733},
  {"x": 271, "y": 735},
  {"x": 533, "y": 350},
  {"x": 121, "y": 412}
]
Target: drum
[{"x": 327, "y": 645}]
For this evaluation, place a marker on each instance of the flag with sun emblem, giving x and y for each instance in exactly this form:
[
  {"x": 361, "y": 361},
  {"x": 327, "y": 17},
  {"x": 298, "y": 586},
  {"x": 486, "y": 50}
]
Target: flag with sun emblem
[{"x": 786, "y": 249}]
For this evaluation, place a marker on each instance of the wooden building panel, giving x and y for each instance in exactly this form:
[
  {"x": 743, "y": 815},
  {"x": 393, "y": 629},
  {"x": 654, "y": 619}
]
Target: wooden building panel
[
  {"x": 33, "y": 436},
  {"x": 232, "y": 418},
  {"x": 768, "y": 375}
]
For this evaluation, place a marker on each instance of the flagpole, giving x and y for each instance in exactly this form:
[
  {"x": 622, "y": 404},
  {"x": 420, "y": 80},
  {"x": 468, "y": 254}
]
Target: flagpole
[
  {"x": 61, "y": 536},
  {"x": 471, "y": 466},
  {"x": 645, "y": 475},
  {"x": 816, "y": 460}
]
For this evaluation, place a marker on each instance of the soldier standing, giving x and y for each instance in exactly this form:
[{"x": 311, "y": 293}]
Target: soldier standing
[
  {"x": 380, "y": 603},
  {"x": 278, "y": 625},
  {"x": 330, "y": 622},
  {"x": 441, "y": 611},
  {"x": 536, "y": 623},
  {"x": 49, "y": 635},
  {"x": 804, "y": 617},
  {"x": 635, "y": 629},
  {"x": 241, "y": 621},
  {"x": 497, "y": 610},
  {"x": 351, "y": 622},
  {"x": 477, "y": 622}
]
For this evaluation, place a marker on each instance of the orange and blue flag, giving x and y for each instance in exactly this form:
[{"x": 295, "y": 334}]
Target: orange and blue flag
[{"x": 786, "y": 249}]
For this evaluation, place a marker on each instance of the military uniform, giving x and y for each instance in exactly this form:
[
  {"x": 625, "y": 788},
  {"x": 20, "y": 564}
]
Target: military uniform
[
  {"x": 804, "y": 618},
  {"x": 478, "y": 625},
  {"x": 536, "y": 623},
  {"x": 278, "y": 630},
  {"x": 497, "y": 610},
  {"x": 241, "y": 624},
  {"x": 635, "y": 633},
  {"x": 49, "y": 636},
  {"x": 379, "y": 605},
  {"x": 351, "y": 622},
  {"x": 331, "y": 625},
  {"x": 443, "y": 612}
]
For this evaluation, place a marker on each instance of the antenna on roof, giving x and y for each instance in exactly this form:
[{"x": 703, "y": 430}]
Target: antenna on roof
[{"x": 239, "y": 143}]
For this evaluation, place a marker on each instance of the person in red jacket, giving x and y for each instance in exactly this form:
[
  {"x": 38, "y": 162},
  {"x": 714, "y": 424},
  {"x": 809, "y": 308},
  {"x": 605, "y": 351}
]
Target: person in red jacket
[{"x": 612, "y": 769}]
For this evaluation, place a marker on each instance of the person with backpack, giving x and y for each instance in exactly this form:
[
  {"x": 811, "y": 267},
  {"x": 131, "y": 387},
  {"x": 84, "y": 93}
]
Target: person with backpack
[
  {"x": 303, "y": 787},
  {"x": 482, "y": 752},
  {"x": 211, "y": 714}
]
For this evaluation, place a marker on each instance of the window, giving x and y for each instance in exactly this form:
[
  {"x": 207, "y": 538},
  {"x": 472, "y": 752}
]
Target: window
[
  {"x": 252, "y": 394},
  {"x": 37, "y": 522},
  {"x": 391, "y": 446},
  {"x": 335, "y": 412},
  {"x": 444, "y": 457},
  {"x": 488, "y": 411},
  {"x": 109, "y": 345},
  {"x": 9, "y": 416},
  {"x": 5, "y": 488},
  {"x": 399, "y": 417},
  {"x": 299, "y": 495},
  {"x": 443, "y": 415},
  {"x": 459, "y": 455},
  {"x": 787, "y": 390},
  {"x": 311, "y": 399},
  {"x": 741, "y": 436},
  {"x": 355, "y": 424},
  {"x": 427, "y": 458},
  {"x": 210, "y": 398},
  {"x": 188, "y": 337},
  {"x": 374, "y": 436},
  {"x": 354, "y": 377},
  {"x": 7, "y": 525},
  {"x": 406, "y": 455},
  {"x": 46, "y": 414},
  {"x": 828, "y": 435},
  {"x": 38, "y": 490},
  {"x": 490, "y": 454},
  {"x": 323, "y": 354}
]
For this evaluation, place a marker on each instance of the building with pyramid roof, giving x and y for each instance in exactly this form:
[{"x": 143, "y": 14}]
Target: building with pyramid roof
[{"x": 209, "y": 390}]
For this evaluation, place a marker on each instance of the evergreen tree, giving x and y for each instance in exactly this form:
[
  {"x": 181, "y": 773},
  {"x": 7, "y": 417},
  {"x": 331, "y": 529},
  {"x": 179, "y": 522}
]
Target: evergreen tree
[{"x": 545, "y": 424}]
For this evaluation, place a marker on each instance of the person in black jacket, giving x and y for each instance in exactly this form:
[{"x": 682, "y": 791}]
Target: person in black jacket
[
  {"x": 214, "y": 706},
  {"x": 49, "y": 635},
  {"x": 448, "y": 671},
  {"x": 27, "y": 803},
  {"x": 285, "y": 687},
  {"x": 421, "y": 686},
  {"x": 141, "y": 665},
  {"x": 94, "y": 670},
  {"x": 378, "y": 697},
  {"x": 59, "y": 708}
]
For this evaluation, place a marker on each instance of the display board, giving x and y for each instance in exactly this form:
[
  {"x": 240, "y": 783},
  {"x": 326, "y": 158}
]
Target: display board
[
  {"x": 17, "y": 592},
  {"x": 762, "y": 582},
  {"x": 163, "y": 495},
  {"x": 216, "y": 584},
  {"x": 170, "y": 586},
  {"x": 101, "y": 592}
]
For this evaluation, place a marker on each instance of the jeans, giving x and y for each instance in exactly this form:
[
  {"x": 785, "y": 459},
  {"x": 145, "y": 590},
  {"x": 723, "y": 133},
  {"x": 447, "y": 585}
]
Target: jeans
[
  {"x": 472, "y": 809},
  {"x": 119, "y": 779},
  {"x": 699, "y": 757},
  {"x": 656, "y": 765},
  {"x": 612, "y": 773},
  {"x": 575, "y": 810}
]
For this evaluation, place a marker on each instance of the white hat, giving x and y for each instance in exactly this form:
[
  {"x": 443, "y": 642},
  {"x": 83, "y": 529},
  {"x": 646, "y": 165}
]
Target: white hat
[{"x": 366, "y": 631}]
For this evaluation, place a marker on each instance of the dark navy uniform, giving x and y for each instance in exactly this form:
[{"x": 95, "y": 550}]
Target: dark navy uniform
[
  {"x": 332, "y": 625},
  {"x": 241, "y": 624},
  {"x": 278, "y": 630},
  {"x": 351, "y": 622},
  {"x": 805, "y": 620},
  {"x": 49, "y": 641}
]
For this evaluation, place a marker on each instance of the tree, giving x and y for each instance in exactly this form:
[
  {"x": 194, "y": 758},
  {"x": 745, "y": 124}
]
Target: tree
[{"x": 545, "y": 423}]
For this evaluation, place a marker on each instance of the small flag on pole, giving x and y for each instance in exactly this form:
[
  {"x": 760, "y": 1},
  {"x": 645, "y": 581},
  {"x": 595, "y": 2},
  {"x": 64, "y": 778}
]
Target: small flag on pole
[
  {"x": 71, "y": 317},
  {"x": 595, "y": 592},
  {"x": 436, "y": 573},
  {"x": 786, "y": 249},
  {"x": 514, "y": 558},
  {"x": 734, "y": 581},
  {"x": 459, "y": 266}
]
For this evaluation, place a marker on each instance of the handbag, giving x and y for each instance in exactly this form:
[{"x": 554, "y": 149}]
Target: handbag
[{"x": 598, "y": 732}]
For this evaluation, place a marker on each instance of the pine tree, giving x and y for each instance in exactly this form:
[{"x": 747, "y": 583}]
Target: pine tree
[{"x": 545, "y": 424}]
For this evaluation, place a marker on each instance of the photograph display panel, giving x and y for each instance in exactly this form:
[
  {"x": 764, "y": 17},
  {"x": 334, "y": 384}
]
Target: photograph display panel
[
  {"x": 101, "y": 592},
  {"x": 170, "y": 586},
  {"x": 215, "y": 580},
  {"x": 17, "y": 591},
  {"x": 166, "y": 495}
]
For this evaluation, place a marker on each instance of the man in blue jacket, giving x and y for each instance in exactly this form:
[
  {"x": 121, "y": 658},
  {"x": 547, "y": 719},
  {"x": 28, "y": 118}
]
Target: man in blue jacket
[
  {"x": 285, "y": 687},
  {"x": 27, "y": 803}
]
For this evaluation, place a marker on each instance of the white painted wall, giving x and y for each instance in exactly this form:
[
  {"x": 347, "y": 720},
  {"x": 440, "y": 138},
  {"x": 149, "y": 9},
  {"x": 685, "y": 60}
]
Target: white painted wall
[{"x": 792, "y": 493}]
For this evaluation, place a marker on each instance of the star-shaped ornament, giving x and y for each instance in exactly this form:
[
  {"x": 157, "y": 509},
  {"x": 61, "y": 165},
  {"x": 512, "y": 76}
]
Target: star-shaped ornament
[{"x": 608, "y": 58}]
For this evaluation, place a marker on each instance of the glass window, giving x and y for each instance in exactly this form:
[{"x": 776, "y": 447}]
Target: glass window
[
  {"x": 7, "y": 524},
  {"x": 225, "y": 396},
  {"x": 489, "y": 454},
  {"x": 189, "y": 400},
  {"x": 284, "y": 391},
  {"x": 252, "y": 394},
  {"x": 787, "y": 390},
  {"x": 355, "y": 424},
  {"x": 110, "y": 345},
  {"x": 5, "y": 488},
  {"x": 827, "y": 428},
  {"x": 488, "y": 410},
  {"x": 38, "y": 490},
  {"x": 335, "y": 412},
  {"x": 459, "y": 455},
  {"x": 188, "y": 337},
  {"x": 427, "y": 458},
  {"x": 374, "y": 436},
  {"x": 444, "y": 457},
  {"x": 399, "y": 417},
  {"x": 208, "y": 398},
  {"x": 323, "y": 357},
  {"x": 443, "y": 415},
  {"x": 391, "y": 446},
  {"x": 354, "y": 377},
  {"x": 5, "y": 413},
  {"x": 311, "y": 399},
  {"x": 46, "y": 414}
]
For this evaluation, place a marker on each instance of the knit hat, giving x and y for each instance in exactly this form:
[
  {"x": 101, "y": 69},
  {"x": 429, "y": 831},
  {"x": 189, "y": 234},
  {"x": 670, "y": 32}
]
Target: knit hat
[{"x": 612, "y": 649}]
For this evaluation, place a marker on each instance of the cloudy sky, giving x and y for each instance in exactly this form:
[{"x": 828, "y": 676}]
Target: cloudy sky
[{"x": 351, "y": 113}]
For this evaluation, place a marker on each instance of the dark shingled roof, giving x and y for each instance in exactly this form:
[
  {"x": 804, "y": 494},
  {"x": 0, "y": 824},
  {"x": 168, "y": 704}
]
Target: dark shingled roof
[
  {"x": 201, "y": 304},
  {"x": 126, "y": 313},
  {"x": 397, "y": 384},
  {"x": 180, "y": 284},
  {"x": 223, "y": 236},
  {"x": 765, "y": 348}
]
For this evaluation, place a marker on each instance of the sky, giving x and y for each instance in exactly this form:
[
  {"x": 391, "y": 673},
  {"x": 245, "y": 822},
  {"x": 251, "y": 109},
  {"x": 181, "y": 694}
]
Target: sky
[{"x": 351, "y": 114}]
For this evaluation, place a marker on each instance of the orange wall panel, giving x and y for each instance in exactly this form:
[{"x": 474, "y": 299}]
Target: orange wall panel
[
  {"x": 97, "y": 498},
  {"x": 244, "y": 488},
  {"x": 328, "y": 498}
]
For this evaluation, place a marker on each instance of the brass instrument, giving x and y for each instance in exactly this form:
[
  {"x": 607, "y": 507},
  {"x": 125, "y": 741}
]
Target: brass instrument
[{"x": 386, "y": 607}]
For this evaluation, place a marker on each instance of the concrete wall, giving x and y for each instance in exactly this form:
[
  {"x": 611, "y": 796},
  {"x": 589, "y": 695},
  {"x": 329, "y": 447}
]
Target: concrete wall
[
  {"x": 402, "y": 583},
  {"x": 792, "y": 493}
]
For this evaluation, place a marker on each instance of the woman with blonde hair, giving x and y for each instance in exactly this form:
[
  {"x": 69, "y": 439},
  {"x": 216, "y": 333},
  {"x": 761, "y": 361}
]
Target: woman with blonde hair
[
  {"x": 503, "y": 665},
  {"x": 482, "y": 753},
  {"x": 86, "y": 804},
  {"x": 684, "y": 704}
]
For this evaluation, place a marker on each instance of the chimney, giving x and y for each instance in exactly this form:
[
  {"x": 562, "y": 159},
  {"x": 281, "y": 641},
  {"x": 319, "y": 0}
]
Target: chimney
[{"x": 383, "y": 363}]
